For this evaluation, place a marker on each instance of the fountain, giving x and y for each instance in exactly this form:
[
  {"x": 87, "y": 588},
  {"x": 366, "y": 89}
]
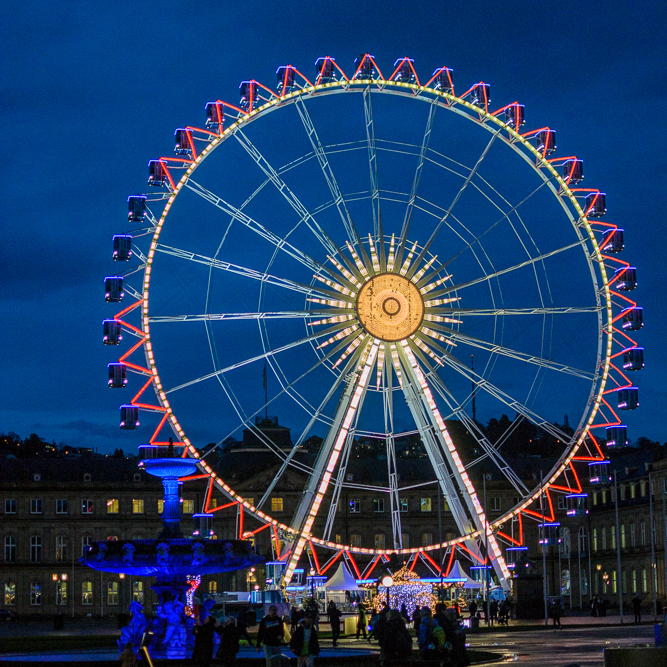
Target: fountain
[{"x": 171, "y": 558}]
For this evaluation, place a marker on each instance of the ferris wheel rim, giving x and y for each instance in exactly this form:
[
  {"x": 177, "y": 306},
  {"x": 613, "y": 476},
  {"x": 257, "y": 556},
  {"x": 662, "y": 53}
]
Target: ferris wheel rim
[{"x": 411, "y": 91}]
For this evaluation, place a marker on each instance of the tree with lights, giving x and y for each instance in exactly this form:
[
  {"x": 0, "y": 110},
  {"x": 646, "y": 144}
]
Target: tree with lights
[{"x": 407, "y": 589}]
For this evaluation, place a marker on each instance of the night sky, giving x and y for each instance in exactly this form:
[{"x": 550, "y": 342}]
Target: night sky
[{"x": 91, "y": 91}]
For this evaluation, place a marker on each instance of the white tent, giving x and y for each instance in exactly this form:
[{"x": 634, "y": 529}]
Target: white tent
[
  {"x": 342, "y": 581},
  {"x": 458, "y": 575}
]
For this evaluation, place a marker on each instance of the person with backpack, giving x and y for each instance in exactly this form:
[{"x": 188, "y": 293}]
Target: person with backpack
[
  {"x": 305, "y": 644},
  {"x": 426, "y": 625}
]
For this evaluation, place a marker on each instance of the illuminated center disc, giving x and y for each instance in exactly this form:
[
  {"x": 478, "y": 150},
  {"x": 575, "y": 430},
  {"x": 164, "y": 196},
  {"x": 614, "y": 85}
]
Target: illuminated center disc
[{"x": 390, "y": 307}]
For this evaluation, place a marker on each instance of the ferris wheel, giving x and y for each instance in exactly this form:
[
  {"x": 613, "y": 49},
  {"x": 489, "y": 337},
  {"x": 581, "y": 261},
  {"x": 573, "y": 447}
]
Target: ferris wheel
[{"x": 377, "y": 258}]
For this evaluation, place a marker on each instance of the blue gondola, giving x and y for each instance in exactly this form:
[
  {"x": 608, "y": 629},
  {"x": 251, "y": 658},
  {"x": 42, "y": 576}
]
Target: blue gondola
[
  {"x": 136, "y": 208},
  {"x": 573, "y": 171},
  {"x": 633, "y": 359},
  {"x": 548, "y": 534},
  {"x": 405, "y": 73},
  {"x": 215, "y": 116},
  {"x": 617, "y": 436},
  {"x": 481, "y": 94},
  {"x": 596, "y": 204},
  {"x": 285, "y": 76},
  {"x": 626, "y": 278},
  {"x": 117, "y": 375},
  {"x": 325, "y": 70},
  {"x": 364, "y": 67},
  {"x": 576, "y": 504},
  {"x": 129, "y": 417},
  {"x": 545, "y": 141},
  {"x": 122, "y": 247},
  {"x": 157, "y": 174},
  {"x": 628, "y": 398},
  {"x": 248, "y": 95},
  {"x": 599, "y": 472},
  {"x": 202, "y": 525},
  {"x": 112, "y": 332},
  {"x": 515, "y": 115},
  {"x": 633, "y": 319},
  {"x": 182, "y": 142},
  {"x": 614, "y": 242},
  {"x": 444, "y": 79},
  {"x": 113, "y": 288}
]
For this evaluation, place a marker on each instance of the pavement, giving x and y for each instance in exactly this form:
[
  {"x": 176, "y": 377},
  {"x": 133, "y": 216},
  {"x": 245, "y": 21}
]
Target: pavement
[{"x": 581, "y": 641}]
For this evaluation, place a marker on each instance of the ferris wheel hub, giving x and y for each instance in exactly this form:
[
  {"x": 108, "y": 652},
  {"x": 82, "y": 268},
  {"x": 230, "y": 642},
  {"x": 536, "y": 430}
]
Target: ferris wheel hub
[{"x": 390, "y": 307}]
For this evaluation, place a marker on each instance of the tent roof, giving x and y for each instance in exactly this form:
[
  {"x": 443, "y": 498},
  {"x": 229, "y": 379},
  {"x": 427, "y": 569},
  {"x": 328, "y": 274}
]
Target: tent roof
[
  {"x": 342, "y": 580},
  {"x": 457, "y": 574}
]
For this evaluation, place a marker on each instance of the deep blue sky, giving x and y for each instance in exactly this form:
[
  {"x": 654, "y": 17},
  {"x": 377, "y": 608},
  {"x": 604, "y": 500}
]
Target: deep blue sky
[{"x": 91, "y": 91}]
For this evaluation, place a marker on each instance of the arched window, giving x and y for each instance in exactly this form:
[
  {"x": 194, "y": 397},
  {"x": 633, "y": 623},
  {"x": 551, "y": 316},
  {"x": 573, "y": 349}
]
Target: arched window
[
  {"x": 87, "y": 593},
  {"x": 35, "y": 593},
  {"x": 212, "y": 587},
  {"x": 379, "y": 541},
  {"x": 10, "y": 593},
  {"x": 138, "y": 591},
  {"x": 355, "y": 541},
  {"x": 427, "y": 539}
]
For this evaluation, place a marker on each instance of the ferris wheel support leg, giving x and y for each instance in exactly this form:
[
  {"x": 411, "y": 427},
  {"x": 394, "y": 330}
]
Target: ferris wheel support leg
[
  {"x": 327, "y": 460},
  {"x": 417, "y": 382}
]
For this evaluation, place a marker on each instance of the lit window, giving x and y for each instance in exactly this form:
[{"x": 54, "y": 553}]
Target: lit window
[
  {"x": 35, "y": 549},
  {"x": 405, "y": 539},
  {"x": 10, "y": 549},
  {"x": 86, "y": 541},
  {"x": 378, "y": 504},
  {"x": 379, "y": 541},
  {"x": 61, "y": 506},
  {"x": 86, "y": 506},
  {"x": 61, "y": 593},
  {"x": 87, "y": 593},
  {"x": 355, "y": 506},
  {"x": 595, "y": 498},
  {"x": 339, "y": 538},
  {"x": 137, "y": 506},
  {"x": 112, "y": 593},
  {"x": 604, "y": 496},
  {"x": 188, "y": 506},
  {"x": 633, "y": 491},
  {"x": 10, "y": 593},
  {"x": 644, "y": 580},
  {"x": 425, "y": 504},
  {"x": 595, "y": 539},
  {"x": 36, "y": 506},
  {"x": 355, "y": 541},
  {"x": 427, "y": 539},
  {"x": 35, "y": 593},
  {"x": 613, "y": 537},
  {"x": 61, "y": 549},
  {"x": 112, "y": 506},
  {"x": 495, "y": 503},
  {"x": 404, "y": 504},
  {"x": 160, "y": 506},
  {"x": 212, "y": 587},
  {"x": 614, "y": 582},
  {"x": 10, "y": 506},
  {"x": 642, "y": 488},
  {"x": 446, "y": 507},
  {"x": 634, "y": 580},
  {"x": 276, "y": 504},
  {"x": 623, "y": 545},
  {"x": 138, "y": 591}
]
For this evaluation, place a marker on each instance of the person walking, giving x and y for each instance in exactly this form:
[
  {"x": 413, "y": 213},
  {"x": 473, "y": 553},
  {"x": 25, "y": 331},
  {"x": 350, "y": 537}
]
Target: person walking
[
  {"x": 305, "y": 643},
  {"x": 202, "y": 653},
  {"x": 396, "y": 645},
  {"x": 242, "y": 627},
  {"x": 362, "y": 620},
  {"x": 294, "y": 618},
  {"x": 556, "y": 610},
  {"x": 229, "y": 642},
  {"x": 472, "y": 608},
  {"x": 334, "y": 615},
  {"x": 637, "y": 608},
  {"x": 127, "y": 657},
  {"x": 271, "y": 633}
]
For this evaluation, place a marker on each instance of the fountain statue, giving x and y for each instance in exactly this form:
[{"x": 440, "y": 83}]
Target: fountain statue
[{"x": 170, "y": 558}]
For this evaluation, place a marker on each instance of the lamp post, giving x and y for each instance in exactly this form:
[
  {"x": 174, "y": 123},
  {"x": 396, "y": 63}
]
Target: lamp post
[{"x": 387, "y": 582}]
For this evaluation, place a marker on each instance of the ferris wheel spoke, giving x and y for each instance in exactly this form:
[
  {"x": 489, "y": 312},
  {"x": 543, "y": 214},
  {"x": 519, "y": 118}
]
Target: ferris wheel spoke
[
  {"x": 246, "y": 272},
  {"x": 540, "y": 310},
  {"x": 415, "y": 183},
  {"x": 482, "y": 383},
  {"x": 439, "y": 444},
  {"x": 372, "y": 159},
  {"x": 420, "y": 258},
  {"x": 274, "y": 239},
  {"x": 210, "y": 317},
  {"x": 494, "y": 348},
  {"x": 496, "y": 274},
  {"x": 330, "y": 451},
  {"x": 332, "y": 183},
  {"x": 304, "y": 214}
]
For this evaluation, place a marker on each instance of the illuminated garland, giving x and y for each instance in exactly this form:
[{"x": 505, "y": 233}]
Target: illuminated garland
[
  {"x": 409, "y": 590},
  {"x": 194, "y": 581}
]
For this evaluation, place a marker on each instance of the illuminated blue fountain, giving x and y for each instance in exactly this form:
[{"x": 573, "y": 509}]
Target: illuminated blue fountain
[{"x": 171, "y": 559}]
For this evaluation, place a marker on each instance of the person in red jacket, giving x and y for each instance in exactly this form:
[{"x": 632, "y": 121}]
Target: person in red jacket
[{"x": 271, "y": 633}]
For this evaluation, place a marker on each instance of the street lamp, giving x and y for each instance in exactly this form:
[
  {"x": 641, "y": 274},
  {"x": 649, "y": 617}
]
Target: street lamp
[
  {"x": 59, "y": 582},
  {"x": 387, "y": 582}
]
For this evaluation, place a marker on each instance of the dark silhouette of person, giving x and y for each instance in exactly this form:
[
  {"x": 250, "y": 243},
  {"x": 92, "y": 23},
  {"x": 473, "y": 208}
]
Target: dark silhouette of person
[
  {"x": 202, "y": 653},
  {"x": 637, "y": 608}
]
